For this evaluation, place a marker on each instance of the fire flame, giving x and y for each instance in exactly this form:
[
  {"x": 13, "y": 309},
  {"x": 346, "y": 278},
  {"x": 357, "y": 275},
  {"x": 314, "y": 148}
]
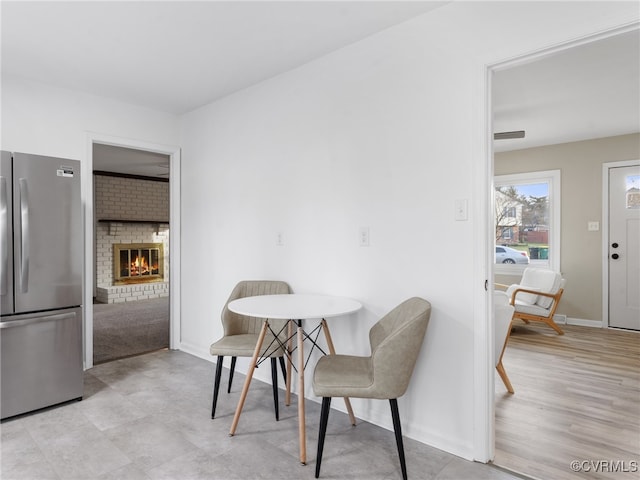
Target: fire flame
[{"x": 140, "y": 266}]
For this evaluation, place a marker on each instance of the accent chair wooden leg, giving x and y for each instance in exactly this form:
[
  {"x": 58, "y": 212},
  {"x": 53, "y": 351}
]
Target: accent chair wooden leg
[
  {"x": 324, "y": 419},
  {"x": 231, "y": 370},
  {"x": 274, "y": 381},
  {"x": 395, "y": 415},
  {"x": 555, "y": 326},
  {"x": 216, "y": 384},
  {"x": 504, "y": 377},
  {"x": 500, "y": 368}
]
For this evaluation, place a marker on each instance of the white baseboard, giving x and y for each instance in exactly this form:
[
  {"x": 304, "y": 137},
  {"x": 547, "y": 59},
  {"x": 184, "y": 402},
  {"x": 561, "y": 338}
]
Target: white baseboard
[
  {"x": 559, "y": 318},
  {"x": 376, "y": 412},
  {"x": 196, "y": 351},
  {"x": 581, "y": 322}
]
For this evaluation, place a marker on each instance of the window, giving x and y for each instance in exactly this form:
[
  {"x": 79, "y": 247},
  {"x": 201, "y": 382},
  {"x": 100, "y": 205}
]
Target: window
[
  {"x": 633, "y": 191},
  {"x": 509, "y": 212},
  {"x": 527, "y": 221}
]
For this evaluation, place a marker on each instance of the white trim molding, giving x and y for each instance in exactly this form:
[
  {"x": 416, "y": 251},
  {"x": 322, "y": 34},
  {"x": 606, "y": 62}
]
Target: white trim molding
[
  {"x": 605, "y": 233},
  {"x": 484, "y": 412},
  {"x": 174, "y": 234}
]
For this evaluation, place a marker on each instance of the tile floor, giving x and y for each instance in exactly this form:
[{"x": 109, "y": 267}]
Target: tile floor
[{"x": 148, "y": 417}]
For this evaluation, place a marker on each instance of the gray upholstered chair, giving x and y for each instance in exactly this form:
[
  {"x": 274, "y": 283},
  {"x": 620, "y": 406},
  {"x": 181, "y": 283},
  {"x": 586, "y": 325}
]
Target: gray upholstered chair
[
  {"x": 241, "y": 336},
  {"x": 395, "y": 343}
]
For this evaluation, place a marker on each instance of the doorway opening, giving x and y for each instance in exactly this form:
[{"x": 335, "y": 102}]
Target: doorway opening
[
  {"x": 131, "y": 231},
  {"x": 163, "y": 229},
  {"x": 546, "y": 399}
]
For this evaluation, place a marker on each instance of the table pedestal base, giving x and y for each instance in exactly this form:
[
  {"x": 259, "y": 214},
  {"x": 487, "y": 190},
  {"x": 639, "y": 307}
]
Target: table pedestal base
[{"x": 301, "y": 399}]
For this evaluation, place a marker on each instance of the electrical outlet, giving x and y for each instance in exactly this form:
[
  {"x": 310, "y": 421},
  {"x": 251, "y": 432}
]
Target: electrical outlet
[
  {"x": 593, "y": 226},
  {"x": 279, "y": 239},
  {"x": 364, "y": 236}
]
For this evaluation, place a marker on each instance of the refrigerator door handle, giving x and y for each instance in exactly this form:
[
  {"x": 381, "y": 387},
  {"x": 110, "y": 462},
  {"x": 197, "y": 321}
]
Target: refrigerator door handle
[
  {"x": 32, "y": 320},
  {"x": 4, "y": 232},
  {"x": 24, "y": 235}
]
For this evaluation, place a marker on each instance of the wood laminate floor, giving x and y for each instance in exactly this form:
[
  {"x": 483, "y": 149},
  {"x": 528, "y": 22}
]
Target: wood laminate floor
[{"x": 577, "y": 399}]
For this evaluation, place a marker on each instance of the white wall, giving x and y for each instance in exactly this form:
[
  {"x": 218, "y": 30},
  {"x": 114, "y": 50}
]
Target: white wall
[
  {"x": 581, "y": 165},
  {"x": 381, "y": 134},
  {"x": 45, "y": 120}
]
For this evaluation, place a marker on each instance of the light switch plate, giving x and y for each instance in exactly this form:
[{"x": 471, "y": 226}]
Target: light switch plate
[{"x": 461, "y": 209}]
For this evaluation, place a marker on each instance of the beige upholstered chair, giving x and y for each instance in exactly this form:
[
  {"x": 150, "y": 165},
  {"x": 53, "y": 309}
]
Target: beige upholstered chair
[
  {"x": 503, "y": 313},
  {"x": 395, "y": 343},
  {"x": 537, "y": 295},
  {"x": 241, "y": 336}
]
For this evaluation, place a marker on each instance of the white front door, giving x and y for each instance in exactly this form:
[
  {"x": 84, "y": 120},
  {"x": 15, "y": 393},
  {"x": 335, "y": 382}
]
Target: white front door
[{"x": 624, "y": 247}]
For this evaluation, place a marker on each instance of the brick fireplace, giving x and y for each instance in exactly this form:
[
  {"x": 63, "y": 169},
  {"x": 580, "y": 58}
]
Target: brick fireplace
[
  {"x": 131, "y": 239},
  {"x": 111, "y": 237}
]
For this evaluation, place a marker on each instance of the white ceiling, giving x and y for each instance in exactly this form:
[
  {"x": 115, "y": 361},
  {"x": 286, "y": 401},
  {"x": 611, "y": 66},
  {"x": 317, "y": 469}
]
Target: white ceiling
[
  {"x": 588, "y": 91},
  {"x": 108, "y": 158},
  {"x": 178, "y": 56}
]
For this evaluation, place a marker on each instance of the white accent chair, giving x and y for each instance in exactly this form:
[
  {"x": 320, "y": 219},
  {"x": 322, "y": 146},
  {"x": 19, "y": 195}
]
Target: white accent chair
[{"x": 537, "y": 295}]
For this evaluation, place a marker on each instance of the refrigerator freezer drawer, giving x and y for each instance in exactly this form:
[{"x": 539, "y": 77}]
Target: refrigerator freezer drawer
[{"x": 41, "y": 360}]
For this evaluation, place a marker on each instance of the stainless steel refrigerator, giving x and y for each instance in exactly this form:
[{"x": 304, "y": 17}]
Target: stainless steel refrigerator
[{"x": 41, "y": 268}]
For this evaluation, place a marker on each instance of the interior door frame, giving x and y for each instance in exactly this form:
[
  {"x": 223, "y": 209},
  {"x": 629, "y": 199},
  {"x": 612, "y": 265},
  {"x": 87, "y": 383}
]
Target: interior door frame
[
  {"x": 174, "y": 154},
  {"x": 606, "y": 167},
  {"x": 484, "y": 382}
]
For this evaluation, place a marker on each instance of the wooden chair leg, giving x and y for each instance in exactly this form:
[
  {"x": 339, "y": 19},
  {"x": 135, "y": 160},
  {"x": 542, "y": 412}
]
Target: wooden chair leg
[
  {"x": 555, "y": 326},
  {"x": 395, "y": 415},
  {"x": 504, "y": 377},
  {"x": 274, "y": 381},
  {"x": 231, "y": 370},
  {"x": 324, "y": 419},
  {"x": 216, "y": 385},
  {"x": 500, "y": 368}
]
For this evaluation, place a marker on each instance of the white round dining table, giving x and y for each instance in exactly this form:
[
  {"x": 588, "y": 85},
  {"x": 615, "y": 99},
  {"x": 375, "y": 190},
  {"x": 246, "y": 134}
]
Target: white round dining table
[{"x": 295, "y": 308}]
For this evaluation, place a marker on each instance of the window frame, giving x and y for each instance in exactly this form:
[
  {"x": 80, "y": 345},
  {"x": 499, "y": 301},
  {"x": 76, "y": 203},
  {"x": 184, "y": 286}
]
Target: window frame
[{"x": 552, "y": 178}]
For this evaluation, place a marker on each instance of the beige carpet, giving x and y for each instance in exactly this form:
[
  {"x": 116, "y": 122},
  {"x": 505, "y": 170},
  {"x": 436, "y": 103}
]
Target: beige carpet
[{"x": 130, "y": 328}]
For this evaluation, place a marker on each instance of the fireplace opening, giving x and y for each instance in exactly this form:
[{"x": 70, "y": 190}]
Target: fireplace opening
[{"x": 137, "y": 263}]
